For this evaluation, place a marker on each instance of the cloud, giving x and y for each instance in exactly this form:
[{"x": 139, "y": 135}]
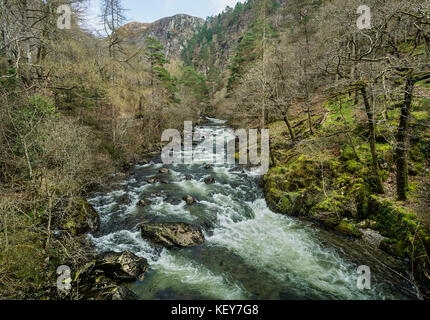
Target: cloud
[{"x": 219, "y": 5}]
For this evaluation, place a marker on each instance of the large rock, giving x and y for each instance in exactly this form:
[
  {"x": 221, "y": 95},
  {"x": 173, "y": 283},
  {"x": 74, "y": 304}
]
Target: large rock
[
  {"x": 173, "y": 234},
  {"x": 189, "y": 200},
  {"x": 123, "y": 266},
  {"x": 103, "y": 277},
  {"x": 210, "y": 180},
  {"x": 83, "y": 219},
  {"x": 164, "y": 170},
  {"x": 122, "y": 293}
]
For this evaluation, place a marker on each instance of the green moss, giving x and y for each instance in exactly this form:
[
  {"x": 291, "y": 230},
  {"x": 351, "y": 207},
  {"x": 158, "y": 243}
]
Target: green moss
[
  {"x": 353, "y": 166},
  {"x": 421, "y": 115},
  {"x": 348, "y": 229},
  {"x": 83, "y": 219}
]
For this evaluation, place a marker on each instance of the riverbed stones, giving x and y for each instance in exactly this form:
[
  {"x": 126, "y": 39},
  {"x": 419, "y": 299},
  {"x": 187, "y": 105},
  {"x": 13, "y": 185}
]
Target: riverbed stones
[
  {"x": 188, "y": 178},
  {"x": 210, "y": 180},
  {"x": 172, "y": 235},
  {"x": 164, "y": 171},
  {"x": 144, "y": 203},
  {"x": 189, "y": 200},
  {"x": 124, "y": 200}
]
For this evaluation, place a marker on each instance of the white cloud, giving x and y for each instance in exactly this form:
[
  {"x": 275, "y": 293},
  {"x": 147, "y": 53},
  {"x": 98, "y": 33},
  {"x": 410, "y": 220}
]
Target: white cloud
[
  {"x": 219, "y": 5},
  {"x": 92, "y": 21}
]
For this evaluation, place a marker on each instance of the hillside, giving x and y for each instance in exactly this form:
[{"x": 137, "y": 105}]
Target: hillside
[{"x": 172, "y": 32}]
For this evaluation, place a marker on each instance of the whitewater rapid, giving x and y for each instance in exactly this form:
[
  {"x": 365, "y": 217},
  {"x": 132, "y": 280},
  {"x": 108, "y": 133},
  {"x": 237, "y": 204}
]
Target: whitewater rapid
[{"x": 250, "y": 251}]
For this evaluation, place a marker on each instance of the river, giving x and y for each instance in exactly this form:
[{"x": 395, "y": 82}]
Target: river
[{"x": 250, "y": 251}]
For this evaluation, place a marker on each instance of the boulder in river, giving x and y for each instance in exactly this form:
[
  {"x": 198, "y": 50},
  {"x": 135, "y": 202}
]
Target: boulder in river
[
  {"x": 103, "y": 277},
  {"x": 124, "y": 266},
  {"x": 208, "y": 167},
  {"x": 164, "y": 170},
  {"x": 122, "y": 293},
  {"x": 173, "y": 234},
  {"x": 124, "y": 199},
  {"x": 152, "y": 181},
  {"x": 188, "y": 178},
  {"x": 210, "y": 180},
  {"x": 189, "y": 200},
  {"x": 144, "y": 203}
]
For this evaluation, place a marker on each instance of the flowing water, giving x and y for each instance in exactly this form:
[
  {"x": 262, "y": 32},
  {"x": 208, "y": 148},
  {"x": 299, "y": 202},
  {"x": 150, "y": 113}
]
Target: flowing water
[{"x": 250, "y": 252}]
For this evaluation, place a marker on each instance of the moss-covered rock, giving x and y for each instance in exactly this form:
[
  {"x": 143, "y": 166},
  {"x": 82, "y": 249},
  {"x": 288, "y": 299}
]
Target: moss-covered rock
[
  {"x": 84, "y": 218},
  {"x": 407, "y": 236},
  {"x": 348, "y": 229}
]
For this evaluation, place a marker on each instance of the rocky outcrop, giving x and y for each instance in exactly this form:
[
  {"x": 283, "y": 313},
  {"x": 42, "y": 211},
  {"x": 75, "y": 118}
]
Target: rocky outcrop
[
  {"x": 84, "y": 219},
  {"x": 172, "y": 32},
  {"x": 103, "y": 278},
  {"x": 123, "y": 266},
  {"x": 172, "y": 235}
]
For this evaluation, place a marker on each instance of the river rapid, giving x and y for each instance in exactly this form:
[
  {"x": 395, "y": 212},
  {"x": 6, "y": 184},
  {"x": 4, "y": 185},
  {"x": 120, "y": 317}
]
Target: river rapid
[{"x": 250, "y": 252}]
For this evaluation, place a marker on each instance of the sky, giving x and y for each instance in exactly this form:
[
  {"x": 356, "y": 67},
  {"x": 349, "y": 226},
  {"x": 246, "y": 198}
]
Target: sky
[{"x": 152, "y": 10}]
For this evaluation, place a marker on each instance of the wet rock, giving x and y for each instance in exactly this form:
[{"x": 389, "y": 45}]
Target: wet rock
[
  {"x": 122, "y": 293},
  {"x": 152, "y": 181},
  {"x": 173, "y": 234},
  {"x": 208, "y": 167},
  {"x": 210, "y": 180},
  {"x": 164, "y": 171},
  {"x": 189, "y": 200},
  {"x": 84, "y": 219},
  {"x": 124, "y": 266},
  {"x": 124, "y": 200},
  {"x": 104, "y": 276},
  {"x": 188, "y": 178},
  {"x": 372, "y": 237},
  {"x": 144, "y": 203}
]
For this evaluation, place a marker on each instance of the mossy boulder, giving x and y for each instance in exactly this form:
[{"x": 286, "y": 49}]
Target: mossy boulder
[
  {"x": 84, "y": 218},
  {"x": 407, "y": 236},
  {"x": 172, "y": 234},
  {"x": 348, "y": 229}
]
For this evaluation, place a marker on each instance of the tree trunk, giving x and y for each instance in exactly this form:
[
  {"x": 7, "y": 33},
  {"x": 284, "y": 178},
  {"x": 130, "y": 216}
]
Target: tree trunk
[
  {"x": 402, "y": 141},
  {"x": 287, "y": 122},
  {"x": 376, "y": 179}
]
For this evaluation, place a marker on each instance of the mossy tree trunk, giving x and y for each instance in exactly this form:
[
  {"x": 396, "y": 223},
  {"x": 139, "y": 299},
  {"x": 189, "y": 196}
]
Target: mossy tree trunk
[
  {"x": 402, "y": 134},
  {"x": 376, "y": 179},
  {"x": 402, "y": 141}
]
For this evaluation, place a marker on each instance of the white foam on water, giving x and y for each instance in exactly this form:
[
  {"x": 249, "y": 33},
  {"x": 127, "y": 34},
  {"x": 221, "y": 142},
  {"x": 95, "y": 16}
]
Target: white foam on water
[
  {"x": 161, "y": 208},
  {"x": 279, "y": 246},
  {"x": 181, "y": 271},
  {"x": 173, "y": 271}
]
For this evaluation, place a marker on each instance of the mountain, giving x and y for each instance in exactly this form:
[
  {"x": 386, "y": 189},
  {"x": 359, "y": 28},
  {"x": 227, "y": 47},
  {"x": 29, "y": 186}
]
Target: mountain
[
  {"x": 172, "y": 32},
  {"x": 217, "y": 41}
]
